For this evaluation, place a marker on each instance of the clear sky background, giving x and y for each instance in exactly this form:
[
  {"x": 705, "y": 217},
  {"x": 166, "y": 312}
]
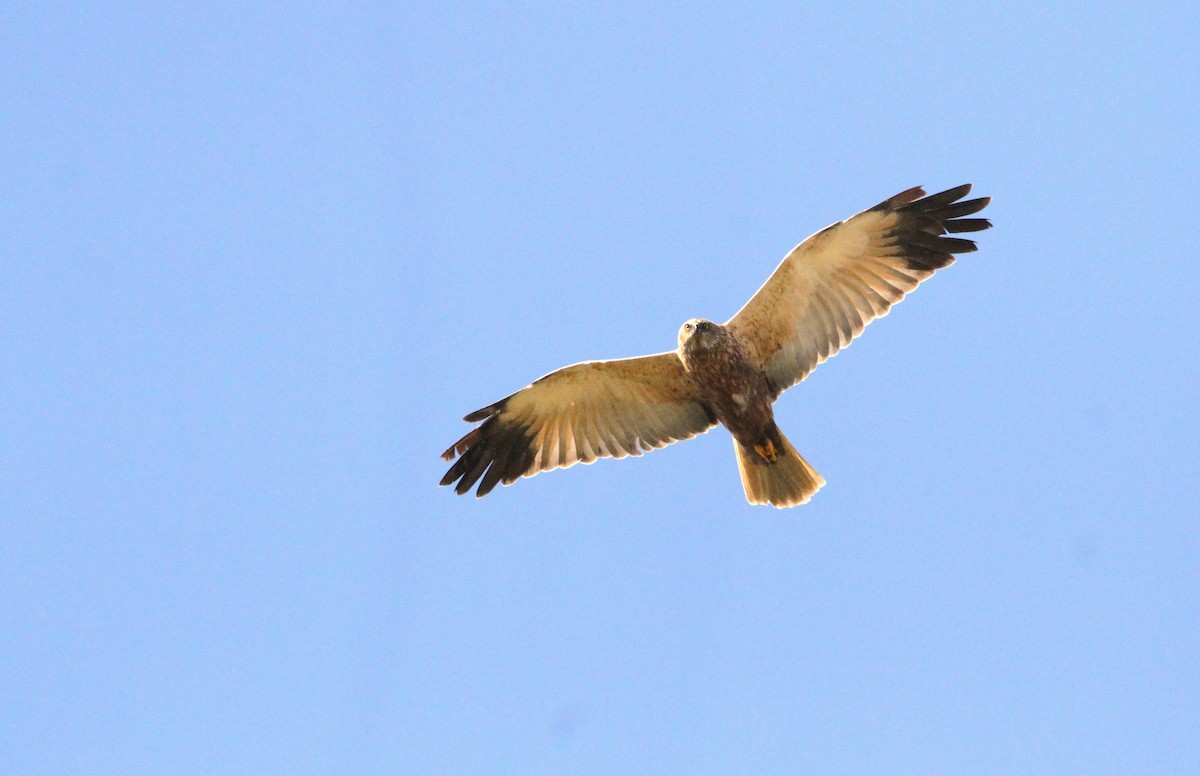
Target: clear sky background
[{"x": 259, "y": 262}]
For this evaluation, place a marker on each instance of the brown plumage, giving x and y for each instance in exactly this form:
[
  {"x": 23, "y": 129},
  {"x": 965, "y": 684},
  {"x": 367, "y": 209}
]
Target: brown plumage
[
  {"x": 821, "y": 296},
  {"x": 741, "y": 398}
]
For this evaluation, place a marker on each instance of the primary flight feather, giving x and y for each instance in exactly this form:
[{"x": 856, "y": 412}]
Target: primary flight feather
[{"x": 820, "y": 297}]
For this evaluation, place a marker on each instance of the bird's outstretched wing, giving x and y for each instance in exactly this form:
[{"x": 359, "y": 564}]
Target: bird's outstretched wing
[
  {"x": 578, "y": 414},
  {"x": 825, "y": 292}
]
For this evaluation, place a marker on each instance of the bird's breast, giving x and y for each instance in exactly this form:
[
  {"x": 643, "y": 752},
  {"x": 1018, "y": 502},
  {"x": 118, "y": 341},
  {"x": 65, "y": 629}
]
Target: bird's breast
[{"x": 737, "y": 392}]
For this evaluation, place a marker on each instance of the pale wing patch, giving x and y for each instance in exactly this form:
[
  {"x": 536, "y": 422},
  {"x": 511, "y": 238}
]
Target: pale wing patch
[
  {"x": 591, "y": 410},
  {"x": 787, "y": 295},
  {"x": 825, "y": 292},
  {"x": 602, "y": 409}
]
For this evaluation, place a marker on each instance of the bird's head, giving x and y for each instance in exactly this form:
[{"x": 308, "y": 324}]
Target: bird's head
[{"x": 697, "y": 333}]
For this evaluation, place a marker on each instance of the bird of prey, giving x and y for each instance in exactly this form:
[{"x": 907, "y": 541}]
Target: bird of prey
[{"x": 820, "y": 297}]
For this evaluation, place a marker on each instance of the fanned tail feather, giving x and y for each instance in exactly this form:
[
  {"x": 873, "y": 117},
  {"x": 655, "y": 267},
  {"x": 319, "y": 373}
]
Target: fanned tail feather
[{"x": 786, "y": 482}]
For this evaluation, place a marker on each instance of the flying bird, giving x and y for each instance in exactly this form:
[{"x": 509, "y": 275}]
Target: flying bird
[{"x": 820, "y": 297}]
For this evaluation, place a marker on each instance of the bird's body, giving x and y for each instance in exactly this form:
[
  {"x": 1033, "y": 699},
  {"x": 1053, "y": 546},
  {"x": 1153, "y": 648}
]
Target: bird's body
[
  {"x": 737, "y": 392},
  {"x": 819, "y": 298},
  {"x": 742, "y": 400}
]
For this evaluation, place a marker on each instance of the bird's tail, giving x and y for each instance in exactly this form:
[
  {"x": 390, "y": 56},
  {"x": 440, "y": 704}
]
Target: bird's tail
[{"x": 785, "y": 481}]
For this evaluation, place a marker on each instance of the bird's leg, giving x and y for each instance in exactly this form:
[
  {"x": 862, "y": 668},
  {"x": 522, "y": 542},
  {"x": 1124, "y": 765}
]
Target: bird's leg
[{"x": 766, "y": 450}]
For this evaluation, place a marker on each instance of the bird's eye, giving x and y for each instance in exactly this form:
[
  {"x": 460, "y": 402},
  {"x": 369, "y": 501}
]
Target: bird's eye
[{"x": 687, "y": 327}]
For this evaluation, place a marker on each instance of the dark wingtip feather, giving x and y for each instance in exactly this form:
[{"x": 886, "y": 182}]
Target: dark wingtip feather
[
  {"x": 957, "y": 245},
  {"x": 965, "y": 208},
  {"x": 498, "y": 451},
  {"x": 484, "y": 412},
  {"x": 934, "y": 201},
  {"x": 509, "y": 446},
  {"x": 923, "y": 224},
  {"x": 474, "y": 469},
  {"x": 901, "y": 199},
  {"x": 958, "y": 225},
  {"x": 453, "y": 474},
  {"x": 459, "y": 447}
]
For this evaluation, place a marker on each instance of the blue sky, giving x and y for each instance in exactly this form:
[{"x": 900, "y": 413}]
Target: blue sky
[{"x": 258, "y": 263}]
